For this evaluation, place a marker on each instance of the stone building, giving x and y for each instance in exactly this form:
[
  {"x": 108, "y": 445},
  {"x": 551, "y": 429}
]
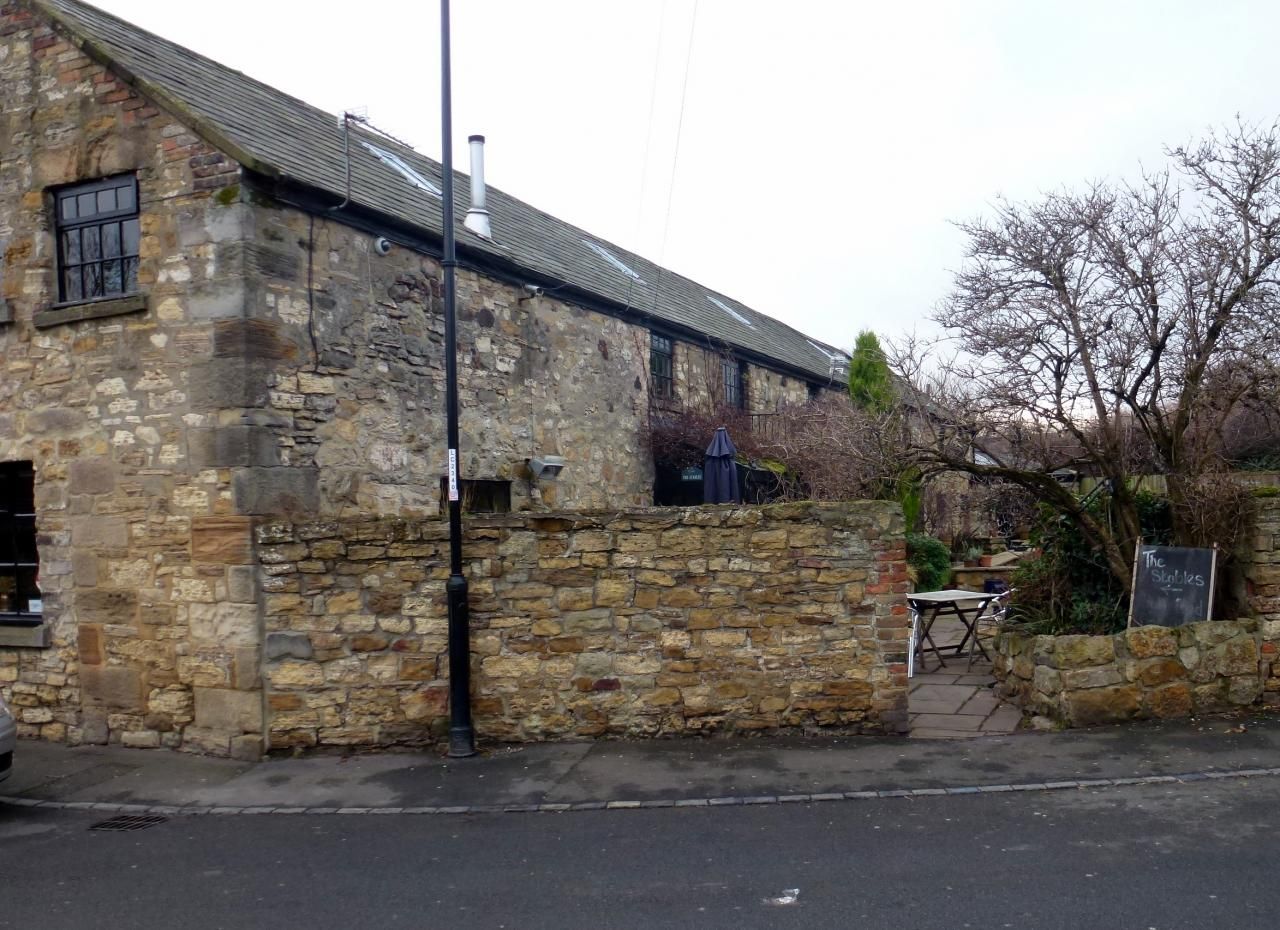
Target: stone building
[{"x": 220, "y": 305}]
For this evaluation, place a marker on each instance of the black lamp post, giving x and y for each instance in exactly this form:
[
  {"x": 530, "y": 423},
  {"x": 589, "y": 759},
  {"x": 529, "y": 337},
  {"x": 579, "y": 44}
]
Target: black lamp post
[{"x": 462, "y": 738}]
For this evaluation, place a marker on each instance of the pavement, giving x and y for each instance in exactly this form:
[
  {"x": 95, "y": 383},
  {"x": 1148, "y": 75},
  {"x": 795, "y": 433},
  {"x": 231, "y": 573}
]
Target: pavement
[
  {"x": 654, "y": 773},
  {"x": 955, "y": 700}
]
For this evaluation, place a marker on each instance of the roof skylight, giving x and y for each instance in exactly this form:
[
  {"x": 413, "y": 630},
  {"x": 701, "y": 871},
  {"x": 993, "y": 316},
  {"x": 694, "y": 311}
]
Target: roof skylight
[
  {"x": 613, "y": 260},
  {"x": 836, "y": 358},
  {"x": 732, "y": 312},
  {"x": 398, "y": 164}
]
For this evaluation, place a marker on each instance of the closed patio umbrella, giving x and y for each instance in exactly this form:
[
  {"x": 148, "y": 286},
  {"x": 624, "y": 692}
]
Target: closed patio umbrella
[{"x": 720, "y": 471}]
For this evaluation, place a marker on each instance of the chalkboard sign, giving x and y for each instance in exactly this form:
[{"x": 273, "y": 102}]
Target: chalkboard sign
[{"x": 1172, "y": 586}]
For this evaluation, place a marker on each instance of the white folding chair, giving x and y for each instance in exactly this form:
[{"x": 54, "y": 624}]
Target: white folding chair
[
  {"x": 913, "y": 618},
  {"x": 992, "y": 616}
]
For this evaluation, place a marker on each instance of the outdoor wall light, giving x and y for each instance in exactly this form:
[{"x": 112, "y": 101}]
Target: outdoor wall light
[{"x": 545, "y": 466}]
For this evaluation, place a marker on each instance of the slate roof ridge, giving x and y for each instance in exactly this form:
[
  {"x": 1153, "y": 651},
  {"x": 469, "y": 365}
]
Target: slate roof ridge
[{"x": 279, "y": 135}]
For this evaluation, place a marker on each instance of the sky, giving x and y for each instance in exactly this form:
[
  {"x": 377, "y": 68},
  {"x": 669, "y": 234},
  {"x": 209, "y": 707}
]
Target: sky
[{"x": 808, "y": 159}]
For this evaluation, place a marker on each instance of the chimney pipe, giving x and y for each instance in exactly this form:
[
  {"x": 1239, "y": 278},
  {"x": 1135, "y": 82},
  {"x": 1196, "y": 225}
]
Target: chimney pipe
[{"x": 477, "y": 217}]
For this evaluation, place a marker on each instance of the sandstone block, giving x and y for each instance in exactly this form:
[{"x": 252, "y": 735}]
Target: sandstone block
[
  {"x": 724, "y": 638},
  {"x": 636, "y": 664},
  {"x": 682, "y": 540},
  {"x": 587, "y": 621},
  {"x": 1160, "y": 671},
  {"x": 614, "y": 592},
  {"x": 1046, "y": 680},
  {"x": 89, "y": 644},
  {"x": 566, "y": 644},
  {"x": 295, "y": 674},
  {"x": 246, "y": 748},
  {"x": 369, "y": 642},
  {"x": 511, "y": 666},
  {"x": 594, "y": 664},
  {"x": 107, "y": 606},
  {"x": 1103, "y": 705},
  {"x": 1144, "y": 642},
  {"x": 417, "y": 668},
  {"x": 222, "y": 540},
  {"x": 91, "y": 476},
  {"x": 426, "y": 704},
  {"x": 112, "y": 687},
  {"x": 288, "y": 645},
  {"x": 1211, "y": 632},
  {"x": 224, "y": 622},
  {"x": 140, "y": 739},
  {"x": 1098, "y": 677},
  {"x": 1170, "y": 701},
  {"x": 1083, "y": 651},
  {"x": 242, "y": 584},
  {"x": 661, "y": 697},
  {"x": 1233, "y": 657},
  {"x": 574, "y": 598},
  {"x": 233, "y": 711},
  {"x": 769, "y": 539},
  {"x": 1244, "y": 689},
  {"x": 207, "y": 742}
]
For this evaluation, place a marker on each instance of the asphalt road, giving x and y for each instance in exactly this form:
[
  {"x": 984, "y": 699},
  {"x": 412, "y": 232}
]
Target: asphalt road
[{"x": 1196, "y": 855}]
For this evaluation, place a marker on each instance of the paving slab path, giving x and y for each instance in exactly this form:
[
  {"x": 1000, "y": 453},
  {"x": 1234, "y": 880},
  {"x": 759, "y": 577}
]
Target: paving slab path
[{"x": 956, "y": 701}]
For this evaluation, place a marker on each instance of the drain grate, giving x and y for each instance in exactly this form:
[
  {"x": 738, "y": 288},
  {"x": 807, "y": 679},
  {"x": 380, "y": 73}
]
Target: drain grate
[{"x": 129, "y": 822}]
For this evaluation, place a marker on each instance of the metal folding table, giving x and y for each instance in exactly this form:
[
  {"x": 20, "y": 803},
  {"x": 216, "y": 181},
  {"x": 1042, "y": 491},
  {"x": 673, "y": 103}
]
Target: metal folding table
[{"x": 929, "y": 605}]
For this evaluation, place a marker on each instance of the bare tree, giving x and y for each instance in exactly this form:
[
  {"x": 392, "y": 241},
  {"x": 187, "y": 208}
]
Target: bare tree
[
  {"x": 836, "y": 451},
  {"x": 1113, "y": 329}
]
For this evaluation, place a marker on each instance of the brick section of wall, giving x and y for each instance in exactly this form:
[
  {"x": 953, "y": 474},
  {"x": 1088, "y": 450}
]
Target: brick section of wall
[
  {"x": 634, "y": 623},
  {"x": 1259, "y": 559},
  {"x": 1145, "y": 672}
]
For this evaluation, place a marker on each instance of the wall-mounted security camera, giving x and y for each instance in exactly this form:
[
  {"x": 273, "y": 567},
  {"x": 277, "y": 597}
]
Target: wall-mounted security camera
[
  {"x": 533, "y": 290},
  {"x": 546, "y": 467},
  {"x": 381, "y": 245}
]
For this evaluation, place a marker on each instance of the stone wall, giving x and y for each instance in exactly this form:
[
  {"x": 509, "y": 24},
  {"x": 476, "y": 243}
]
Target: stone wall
[
  {"x": 350, "y": 377},
  {"x": 348, "y": 380},
  {"x": 639, "y": 622},
  {"x": 1144, "y": 672},
  {"x": 150, "y": 619},
  {"x": 699, "y": 385},
  {"x": 271, "y": 365}
]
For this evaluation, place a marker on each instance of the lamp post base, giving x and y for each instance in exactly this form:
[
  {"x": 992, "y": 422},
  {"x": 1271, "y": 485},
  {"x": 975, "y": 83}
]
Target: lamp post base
[{"x": 461, "y": 743}]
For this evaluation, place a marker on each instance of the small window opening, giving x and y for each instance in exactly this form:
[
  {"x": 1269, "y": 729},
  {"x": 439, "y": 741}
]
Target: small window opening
[
  {"x": 662, "y": 366},
  {"x": 733, "y": 374},
  {"x": 478, "y": 495},
  {"x": 20, "y": 599}
]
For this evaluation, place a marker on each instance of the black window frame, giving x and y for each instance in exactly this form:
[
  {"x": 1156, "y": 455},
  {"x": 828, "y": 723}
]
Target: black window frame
[
  {"x": 662, "y": 365},
  {"x": 733, "y": 377},
  {"x": 19, "y": 551},
  {"x": 83, "y": 278}
]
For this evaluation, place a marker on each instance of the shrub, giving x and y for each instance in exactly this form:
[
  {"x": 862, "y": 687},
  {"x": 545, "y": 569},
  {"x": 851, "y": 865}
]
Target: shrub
[
  {"x": 931, "y": 560},
  {"x": 1069, "y": 588}
]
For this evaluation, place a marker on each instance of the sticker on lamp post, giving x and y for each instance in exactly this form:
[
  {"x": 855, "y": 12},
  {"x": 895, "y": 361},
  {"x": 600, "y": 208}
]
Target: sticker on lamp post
[{"x": 453, "y": 474}]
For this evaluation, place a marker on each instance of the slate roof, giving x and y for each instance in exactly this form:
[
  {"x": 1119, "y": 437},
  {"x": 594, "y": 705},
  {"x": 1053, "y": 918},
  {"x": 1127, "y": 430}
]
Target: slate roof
[{"x": 275, "y": 134}]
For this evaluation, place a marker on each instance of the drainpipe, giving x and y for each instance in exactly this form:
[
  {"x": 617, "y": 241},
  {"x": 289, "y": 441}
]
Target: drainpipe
[{"x": 462, "y": 740}]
